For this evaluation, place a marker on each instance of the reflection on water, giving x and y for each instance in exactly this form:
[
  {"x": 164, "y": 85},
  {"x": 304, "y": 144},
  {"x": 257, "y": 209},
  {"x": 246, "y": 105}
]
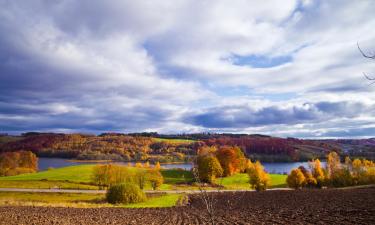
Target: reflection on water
[{"x": 45, "y": 163}]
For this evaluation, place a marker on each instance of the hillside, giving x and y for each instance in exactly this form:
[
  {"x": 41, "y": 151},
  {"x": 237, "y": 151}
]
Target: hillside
[{"x": 179, "y": 148}]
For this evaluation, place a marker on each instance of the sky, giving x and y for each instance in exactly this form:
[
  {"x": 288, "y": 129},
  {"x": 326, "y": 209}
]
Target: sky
[{"x": 287, "y": 68}]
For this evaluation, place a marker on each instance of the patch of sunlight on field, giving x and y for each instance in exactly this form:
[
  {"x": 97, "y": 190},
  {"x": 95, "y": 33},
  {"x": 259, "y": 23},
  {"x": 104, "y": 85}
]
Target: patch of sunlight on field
[
  {"x": 80, "y": 173},
  {"x": 168, "y": 200},
  {"x": 241, "y": 181}
]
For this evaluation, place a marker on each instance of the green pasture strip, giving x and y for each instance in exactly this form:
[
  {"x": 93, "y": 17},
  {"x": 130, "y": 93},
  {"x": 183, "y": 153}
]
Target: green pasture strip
[
  {"x": 174, "y": 176},
  {"x": 51, "y": 197},
  {"x": 241, "y": 181},
  {"x": 80, "y": 173},
  {"x": 45, "y": 184},
  {"x": 167, "y": 200}
]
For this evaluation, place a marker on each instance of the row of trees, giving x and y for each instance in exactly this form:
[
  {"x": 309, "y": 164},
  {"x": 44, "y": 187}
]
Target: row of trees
[
  {"x": 335, "y": 173},
  {"x": 108, "y": 175},
  {"x": 225, "y": 161},
  {"x": 14, "y": 163}
]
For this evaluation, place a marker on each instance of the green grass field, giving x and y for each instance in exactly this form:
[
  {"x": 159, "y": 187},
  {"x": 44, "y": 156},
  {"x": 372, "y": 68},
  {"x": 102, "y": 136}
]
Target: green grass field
[
  {"x": 77, "y": 174},
  {"x": 241, "y": 181},
  {"x": 79, "y": 177},
  {"x": 168, "y": 200}
]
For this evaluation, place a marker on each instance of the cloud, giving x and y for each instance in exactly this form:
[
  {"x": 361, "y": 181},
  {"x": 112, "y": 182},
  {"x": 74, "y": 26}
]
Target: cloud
[
  {"x": 244, "y": 116},
  {"x": 186, "y": 66}
]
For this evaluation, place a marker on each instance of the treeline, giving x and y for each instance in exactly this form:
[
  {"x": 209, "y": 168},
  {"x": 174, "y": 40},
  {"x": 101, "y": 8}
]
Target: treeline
[
  {"x": 156, "y": 147},
  {"x": 108, "y": 146},
  {"x": 14, "y": 163},
  {"x": 108, "y": 175},
  {"x": 335, "y": 173}
]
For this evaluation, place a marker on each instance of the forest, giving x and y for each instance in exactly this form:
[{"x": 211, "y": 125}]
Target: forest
[{"x": 154, "y": 147}]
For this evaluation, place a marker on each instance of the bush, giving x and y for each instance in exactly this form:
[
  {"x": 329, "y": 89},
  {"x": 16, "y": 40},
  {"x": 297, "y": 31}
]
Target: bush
[{"x": 125, "y": 193}]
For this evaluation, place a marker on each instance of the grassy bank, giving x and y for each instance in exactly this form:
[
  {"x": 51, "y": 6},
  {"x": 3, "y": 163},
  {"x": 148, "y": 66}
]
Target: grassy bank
[{"x": 241, "y": 181}]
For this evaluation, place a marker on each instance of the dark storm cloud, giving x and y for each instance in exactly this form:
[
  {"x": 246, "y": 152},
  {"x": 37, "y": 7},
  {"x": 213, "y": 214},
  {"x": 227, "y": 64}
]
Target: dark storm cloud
[{"x": 246, "y": 116}]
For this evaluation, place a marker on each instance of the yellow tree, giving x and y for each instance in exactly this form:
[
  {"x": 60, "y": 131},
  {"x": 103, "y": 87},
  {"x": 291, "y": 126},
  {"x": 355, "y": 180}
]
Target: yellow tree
[
  {"x": 295, "y": 179},
  {"x": 157, "y": 166},
  {"x": 209, "y": 168},
  {"x": 333, "y": 164},
  {"x": 317, "y": 172},
  {"x": 258, "y": 178},
  {"x": 155, "y": 178}
]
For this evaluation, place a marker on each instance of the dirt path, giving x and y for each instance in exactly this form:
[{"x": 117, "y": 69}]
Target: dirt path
[{"x": 335, "y": 206}]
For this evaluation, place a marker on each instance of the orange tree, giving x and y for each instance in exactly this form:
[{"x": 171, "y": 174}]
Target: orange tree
[{"x": 231, "y": 159}]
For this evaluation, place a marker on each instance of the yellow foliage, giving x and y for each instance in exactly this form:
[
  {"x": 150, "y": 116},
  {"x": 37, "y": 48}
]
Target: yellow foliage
[
  {"x": 333, "y": 163},
  {"x": 157, "y": 166},
  {"x": 258, "y": 178},
  {"x": 296, "y": 179}
]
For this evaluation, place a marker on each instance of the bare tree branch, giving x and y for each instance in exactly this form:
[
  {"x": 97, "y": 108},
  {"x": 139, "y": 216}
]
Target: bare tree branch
[{"x": 364, "y": 54}]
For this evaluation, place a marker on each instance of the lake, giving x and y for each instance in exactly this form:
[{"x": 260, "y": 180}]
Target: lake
[{"x": 281, "y": 168}]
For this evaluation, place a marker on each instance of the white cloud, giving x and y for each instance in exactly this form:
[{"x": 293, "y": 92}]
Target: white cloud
[{"x": 144, "y": 65}]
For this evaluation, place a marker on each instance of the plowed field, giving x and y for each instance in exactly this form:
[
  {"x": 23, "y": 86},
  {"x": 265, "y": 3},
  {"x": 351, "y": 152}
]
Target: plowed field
[{"x": 353, "y": 206}]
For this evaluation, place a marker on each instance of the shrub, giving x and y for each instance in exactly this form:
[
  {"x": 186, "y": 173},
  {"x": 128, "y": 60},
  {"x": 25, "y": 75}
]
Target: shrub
[
  {"x": 125, "y": 193},
  {"x": 258, "y": 178},
  {"x": 296, "y": 179}
]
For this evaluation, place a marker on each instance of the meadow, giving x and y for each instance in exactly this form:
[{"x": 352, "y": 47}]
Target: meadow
[{"x": 79, "y": 177}]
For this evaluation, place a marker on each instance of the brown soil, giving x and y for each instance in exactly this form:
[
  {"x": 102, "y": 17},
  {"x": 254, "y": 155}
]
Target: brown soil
[{"x": 352, "y": 206}]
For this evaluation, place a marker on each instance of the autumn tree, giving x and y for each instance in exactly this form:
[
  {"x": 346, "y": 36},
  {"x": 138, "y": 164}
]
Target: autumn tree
[
  {"x": 317, "y": 172},
  {"x": 209, "y": 168},
  {"x": 108, "y": 174},
  {"x": 14, "y": 163},
  {"x": 155, "y": 178},
  {"x": 157, "y": 166},
  {"x": 231, "y": 159},
  {"x": 310, "y": 181},
  {"x": 296, "y": 179},
  {"x": 258, "y": 178},
  {"x": 333, "y": 164}
]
